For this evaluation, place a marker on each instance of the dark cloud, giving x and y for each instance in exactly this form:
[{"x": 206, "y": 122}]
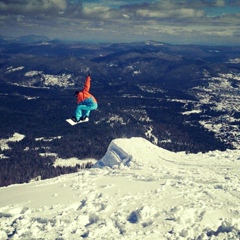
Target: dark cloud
[
  {"x": 47, "y": 8},
  {"x": 32, "y": 7}
]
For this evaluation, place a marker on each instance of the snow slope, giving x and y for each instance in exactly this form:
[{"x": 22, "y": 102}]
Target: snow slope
[{"x": 147, "y": 193}]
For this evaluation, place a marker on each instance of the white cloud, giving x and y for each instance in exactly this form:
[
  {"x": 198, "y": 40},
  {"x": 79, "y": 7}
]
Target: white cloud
[
  {"x": 220, "y": 3},
  {"x": 96, "y": 12},
  {"x": 176, "y": 13}
]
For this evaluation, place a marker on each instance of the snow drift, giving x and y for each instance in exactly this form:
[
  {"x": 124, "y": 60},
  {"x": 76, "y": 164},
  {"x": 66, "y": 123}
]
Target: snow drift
[{"x": 136, "y": 191}]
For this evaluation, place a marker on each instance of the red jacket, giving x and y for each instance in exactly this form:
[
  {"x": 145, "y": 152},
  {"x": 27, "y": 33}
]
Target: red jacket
[{"x": 84, "y": 94}]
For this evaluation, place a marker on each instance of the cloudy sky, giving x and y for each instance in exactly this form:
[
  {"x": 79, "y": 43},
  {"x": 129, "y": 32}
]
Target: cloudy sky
[{"x": 172, "y": 21}]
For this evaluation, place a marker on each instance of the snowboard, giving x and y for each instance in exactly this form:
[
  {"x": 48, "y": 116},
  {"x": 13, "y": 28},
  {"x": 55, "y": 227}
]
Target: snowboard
[{"x": 71, "y": 122}]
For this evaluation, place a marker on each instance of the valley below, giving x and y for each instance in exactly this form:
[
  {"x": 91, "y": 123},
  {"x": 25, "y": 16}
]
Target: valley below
[{"x": 181, "y": 98}]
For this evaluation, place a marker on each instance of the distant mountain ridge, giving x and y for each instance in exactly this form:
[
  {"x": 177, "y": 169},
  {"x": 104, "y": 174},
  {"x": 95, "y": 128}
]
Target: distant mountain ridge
[
  {"x": 27, "y": 39},
  {"x": 168, "y": 66}
]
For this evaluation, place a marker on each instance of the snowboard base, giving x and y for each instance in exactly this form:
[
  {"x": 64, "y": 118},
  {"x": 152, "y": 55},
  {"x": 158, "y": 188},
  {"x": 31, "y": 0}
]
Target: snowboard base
[{"x": 71, "y": 122}]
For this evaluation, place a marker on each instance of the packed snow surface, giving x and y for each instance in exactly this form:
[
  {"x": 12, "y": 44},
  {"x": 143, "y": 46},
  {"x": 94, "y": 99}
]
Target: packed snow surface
[{"x": 136, "y": 191}]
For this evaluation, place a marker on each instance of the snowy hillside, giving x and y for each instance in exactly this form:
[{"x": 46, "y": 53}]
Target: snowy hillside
[{"x": 147, "y": 193}]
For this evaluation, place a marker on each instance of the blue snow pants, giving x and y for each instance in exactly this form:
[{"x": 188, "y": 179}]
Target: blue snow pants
[{"x": 84, "y": 108}]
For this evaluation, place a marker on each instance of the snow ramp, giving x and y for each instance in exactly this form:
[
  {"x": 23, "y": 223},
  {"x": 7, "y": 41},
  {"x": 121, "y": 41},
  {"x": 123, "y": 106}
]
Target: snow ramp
[{"x": 133, "y": 152}]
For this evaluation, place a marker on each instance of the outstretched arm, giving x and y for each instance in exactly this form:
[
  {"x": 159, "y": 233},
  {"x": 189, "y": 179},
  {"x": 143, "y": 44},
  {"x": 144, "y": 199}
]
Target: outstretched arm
[{"x": 87, "y": 84}]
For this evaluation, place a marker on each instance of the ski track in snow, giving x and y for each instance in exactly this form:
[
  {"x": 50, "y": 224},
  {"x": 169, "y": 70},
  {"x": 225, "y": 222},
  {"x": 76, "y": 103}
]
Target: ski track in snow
[{"x": 136, "y": 191}]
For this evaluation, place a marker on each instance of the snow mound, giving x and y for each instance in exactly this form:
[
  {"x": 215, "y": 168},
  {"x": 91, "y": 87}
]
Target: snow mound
[{"x": 133, "y": 152}]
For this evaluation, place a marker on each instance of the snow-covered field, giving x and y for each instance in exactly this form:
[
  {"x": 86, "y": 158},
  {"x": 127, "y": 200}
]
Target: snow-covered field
[
  {"x": 136, "y": 191},
  {"x": 15, "y": 138}
]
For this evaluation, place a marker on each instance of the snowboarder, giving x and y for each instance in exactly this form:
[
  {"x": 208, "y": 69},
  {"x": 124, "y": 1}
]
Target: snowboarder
[{"x": 86, "y": 102}]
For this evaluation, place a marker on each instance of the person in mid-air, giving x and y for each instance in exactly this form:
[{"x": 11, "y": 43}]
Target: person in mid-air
[{"x": 86, "y": 102}]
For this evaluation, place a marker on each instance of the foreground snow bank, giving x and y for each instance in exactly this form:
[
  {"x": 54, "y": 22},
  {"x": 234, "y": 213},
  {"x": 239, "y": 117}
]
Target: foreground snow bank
[{"x": 149, "y": 193}]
